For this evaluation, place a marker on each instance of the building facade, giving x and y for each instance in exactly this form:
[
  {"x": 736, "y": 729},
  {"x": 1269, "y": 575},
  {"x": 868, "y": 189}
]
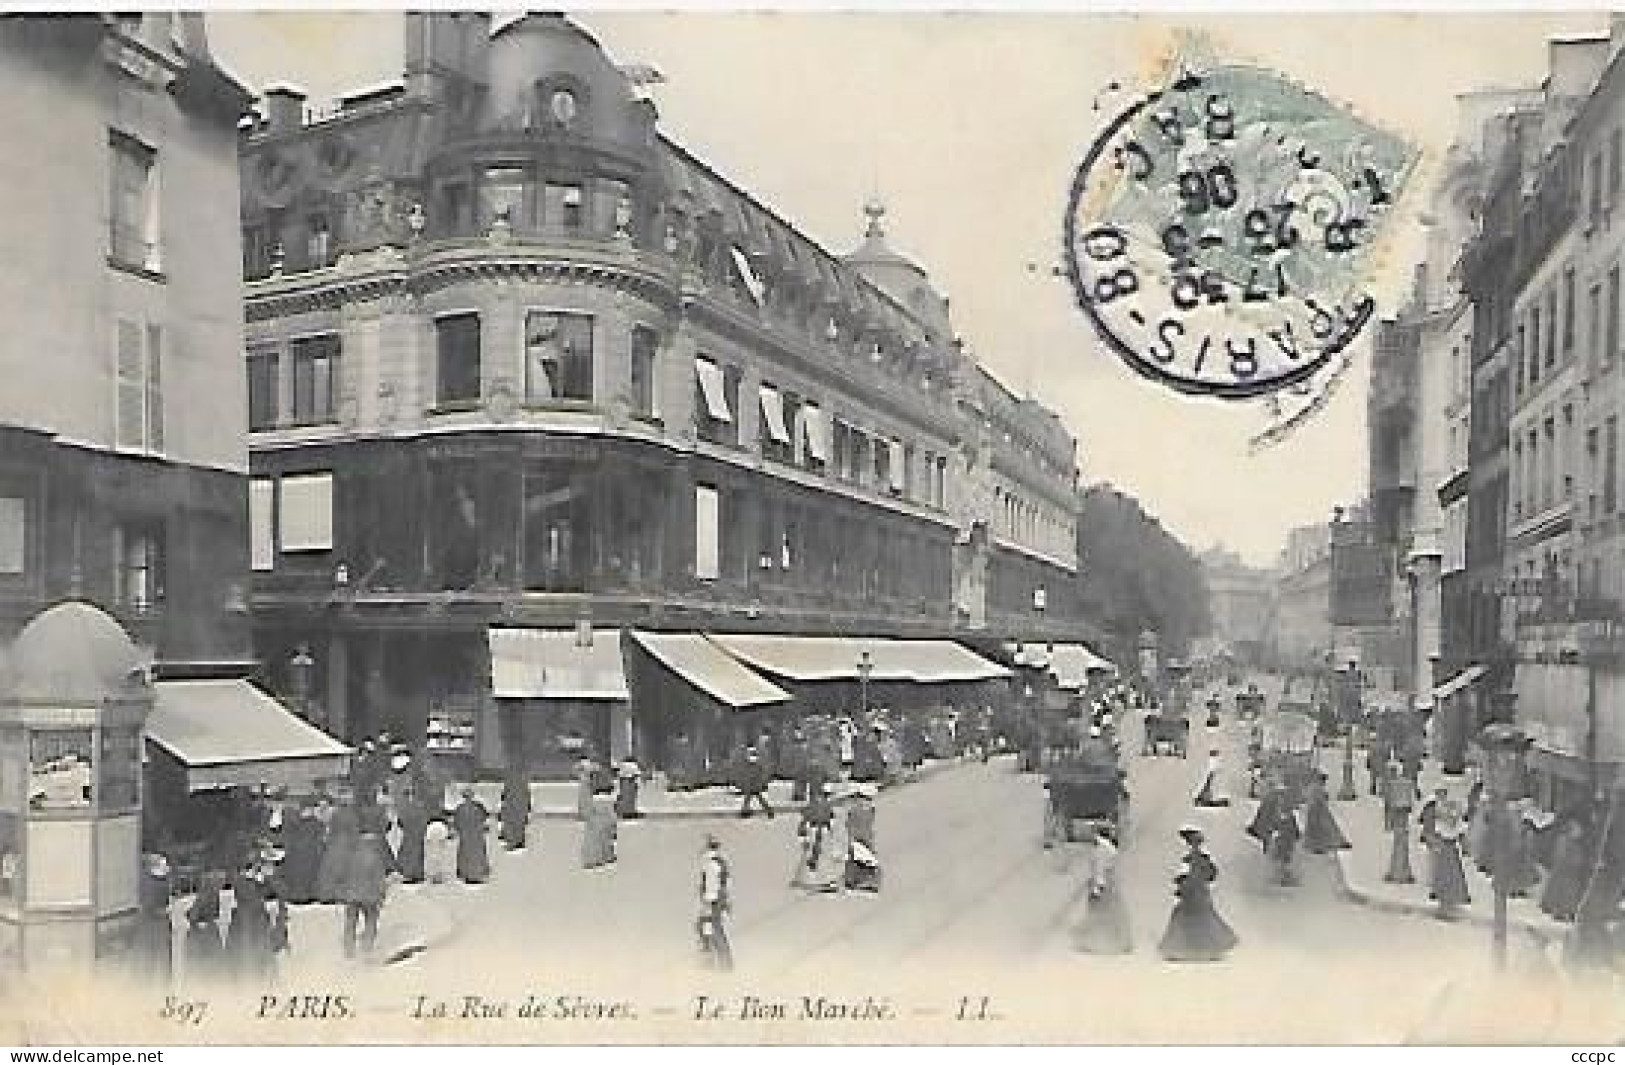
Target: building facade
[
  {"x": 1241, "y": 600},
  {"x": 1301, "y": 626},
  {"x": 123, "y": 457},
  {"x": 516, "y": 358},
  {"x": 1544, "y": 276}
]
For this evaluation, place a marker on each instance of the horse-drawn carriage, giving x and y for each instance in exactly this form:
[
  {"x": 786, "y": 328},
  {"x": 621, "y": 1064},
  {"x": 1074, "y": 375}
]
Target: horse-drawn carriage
[
  {"x": 1250, "y": 703},
  {"x": 1284, "y": 751},
  {"x": 1088, "y": 788},
  {"x": 1166, "y": 733}
]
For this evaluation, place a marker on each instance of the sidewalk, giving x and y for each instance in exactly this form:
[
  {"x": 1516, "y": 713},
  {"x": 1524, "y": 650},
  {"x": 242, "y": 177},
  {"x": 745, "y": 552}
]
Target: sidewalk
[
  {"x": 556, "y": 799},
  {"x": 1364, "y": 867}
]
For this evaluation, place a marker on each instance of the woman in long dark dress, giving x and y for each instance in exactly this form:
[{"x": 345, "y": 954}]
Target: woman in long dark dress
[
  {"x": 1321, "y": 832},
  {"x": 1195, "y": 931},
  {"x": 154, "y": 932},
  {"x": 1447, "y": 877},
  {"x": 515, "y": 811},
  {"x": 302, "y": 840},
  {"x": 473, "y": 863},
  {"x": 1571, "y": 867},
  {"x": 414, "y": 822}
]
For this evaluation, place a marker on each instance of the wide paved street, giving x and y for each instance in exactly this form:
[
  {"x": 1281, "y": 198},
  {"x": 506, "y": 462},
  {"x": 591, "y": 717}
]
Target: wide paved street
[{"x": 972, "y": 906}]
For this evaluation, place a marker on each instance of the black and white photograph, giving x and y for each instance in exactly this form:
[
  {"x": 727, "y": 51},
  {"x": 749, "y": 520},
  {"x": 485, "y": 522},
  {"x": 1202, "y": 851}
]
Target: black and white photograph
[{"x": 810, "y": 527}]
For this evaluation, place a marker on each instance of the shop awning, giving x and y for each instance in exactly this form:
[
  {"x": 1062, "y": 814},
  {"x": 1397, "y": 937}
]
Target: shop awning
[
  {"x": 1069, "y": 663},
  {"x": 773, "y": 412},
  {"x": 1458, "y": 682},
  {"x": 710, "y": 669},
  {"x": 556, "y": 664},
  {"x": 715, "y": 390},
  {"x": 228, "y": 733},
  {"x": 809, "y": 658},
  {"x": 815, "y": 431}
]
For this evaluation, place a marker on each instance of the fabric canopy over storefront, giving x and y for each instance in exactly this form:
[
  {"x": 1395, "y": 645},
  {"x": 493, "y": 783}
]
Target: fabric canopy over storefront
[
  {"x": 1069, "y": 663},
  {"x": 228, "y": 734},
  {"x": 710, "y": 669},
  {"x": 809, "y": 658},
  {"x": 556, "y": 664},
  {"x": 1458, "y": 682}
]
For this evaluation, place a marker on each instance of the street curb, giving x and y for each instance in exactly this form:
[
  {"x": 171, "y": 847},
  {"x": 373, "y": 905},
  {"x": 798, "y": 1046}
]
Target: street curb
[
  {"x": 730, "y": 808},
  {"x": 1362, "y": 897}
]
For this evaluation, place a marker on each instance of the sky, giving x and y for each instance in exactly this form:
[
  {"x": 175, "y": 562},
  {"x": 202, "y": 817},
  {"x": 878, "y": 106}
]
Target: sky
[{"x": 969, "y": 127}]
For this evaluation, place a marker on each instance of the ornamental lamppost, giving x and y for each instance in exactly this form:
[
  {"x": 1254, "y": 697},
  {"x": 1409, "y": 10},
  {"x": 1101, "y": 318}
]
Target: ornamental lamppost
[
  {"x": 1505, "y": 748},
  {"x": 1350, "y": 714},
  {"x": 866, "y": 666},
  {"x": 301, "y": 668}
]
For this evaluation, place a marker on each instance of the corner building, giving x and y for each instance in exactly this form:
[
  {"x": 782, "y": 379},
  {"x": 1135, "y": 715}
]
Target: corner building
[{"x": 517, "y": 360}]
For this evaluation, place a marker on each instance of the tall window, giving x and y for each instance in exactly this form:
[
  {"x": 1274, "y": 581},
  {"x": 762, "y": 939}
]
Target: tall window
[
  {"x": 1522, "y": 357},
  {"x": 1596, "y": 187},
  {"x": 264, "y": 408},
  {"x": 1534, "y": 346},
  {"x": 133, "y": 217},
  {"x": 716, "y": 401},
  {"x": 140, "y": 565},
  {"x": 140, "y": 411},
  {"x": 707, "y": 527},
  {"x": 1594, "y": 324},
  {"x": 1610, "y": 466},
  {"x": 318, "y": 241},
  {"x": 13, "y": 534},
  {"x": 559, "y": 527},
  {"x": 645, "y": 345},
  {"x": 558, "y": 356},
  {"x": 775, "y": 425},
  {"x": 1613, "y": 167},
  {"x": 315, "y": 378},
  {"x": 257, "y": 243},
  {"x": 502, "y": 194},
  {"x": 1568, "y": 310},
  {"x": 1610, "y": 348},
  {"x": 1551, "y": 330},
  {"x": 457, "y": 350}
]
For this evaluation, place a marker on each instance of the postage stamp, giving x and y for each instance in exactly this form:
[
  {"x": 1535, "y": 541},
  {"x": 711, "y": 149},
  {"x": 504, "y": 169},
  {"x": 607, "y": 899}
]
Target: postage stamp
[{"x": 1220, "y": 228}]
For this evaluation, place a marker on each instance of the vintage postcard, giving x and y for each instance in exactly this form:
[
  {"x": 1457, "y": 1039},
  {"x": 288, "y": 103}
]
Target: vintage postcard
[{"x": 796, "y": 527}]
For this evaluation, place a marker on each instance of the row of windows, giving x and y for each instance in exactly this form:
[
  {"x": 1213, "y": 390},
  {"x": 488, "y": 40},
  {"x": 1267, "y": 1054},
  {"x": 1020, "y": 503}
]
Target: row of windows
[
  {"x": 1538, "y": 350},
  {"x": 138, "y": 551},
  {"x": 1542, "y": 471},
  {"x": 796, "y": 431}
]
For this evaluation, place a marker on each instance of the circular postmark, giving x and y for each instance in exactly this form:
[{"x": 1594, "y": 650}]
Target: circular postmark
[{"x": 1219, "y": 231}]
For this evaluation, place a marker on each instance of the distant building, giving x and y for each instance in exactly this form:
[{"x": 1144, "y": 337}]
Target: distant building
[
  {"x": 1240, "y": 599},
  {"x": 1301, "y": 628},
  {"x": 123, "y": 447}
]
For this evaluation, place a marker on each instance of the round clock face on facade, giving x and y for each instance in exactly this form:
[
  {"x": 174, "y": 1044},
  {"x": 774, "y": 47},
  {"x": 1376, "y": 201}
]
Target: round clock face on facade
[
  {"x": 564, "y": 107},
  {"x": 1219, "y": 230}
]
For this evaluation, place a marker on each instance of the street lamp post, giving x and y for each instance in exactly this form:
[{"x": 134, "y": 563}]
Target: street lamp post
[
  {"x": 866, "y": 666},
  {"x": 300, "y": 669},
  {"x": 1351, "y": 714},
  {"x": 1504, "y": 747}
]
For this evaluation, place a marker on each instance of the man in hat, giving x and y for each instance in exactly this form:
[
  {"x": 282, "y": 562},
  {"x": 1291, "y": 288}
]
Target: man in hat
[
  {"x": 753, "y": 781},
  {"x": 715, "y": 902}
]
